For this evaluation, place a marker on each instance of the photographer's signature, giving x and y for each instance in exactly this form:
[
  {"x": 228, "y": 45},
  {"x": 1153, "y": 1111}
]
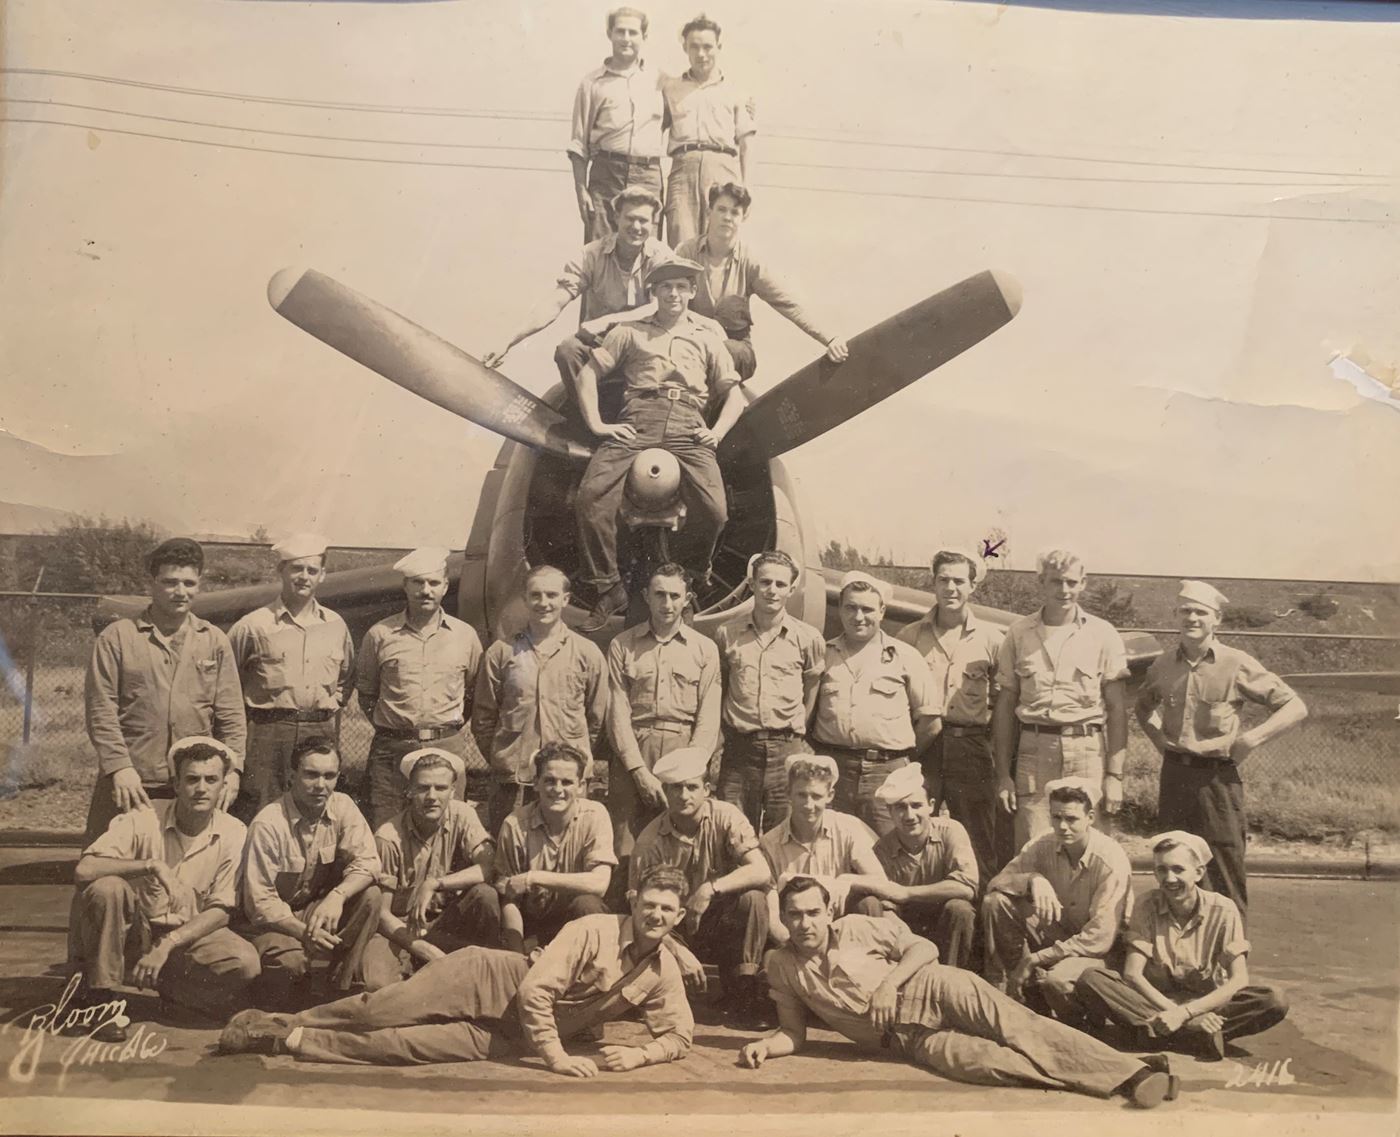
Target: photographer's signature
[
  {"x": 1263, "y": 1075},
  {"x": 38, "y": 1025}
]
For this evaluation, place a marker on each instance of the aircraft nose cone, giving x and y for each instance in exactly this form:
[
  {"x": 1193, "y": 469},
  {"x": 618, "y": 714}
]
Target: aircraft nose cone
[{"x": 654, "y": 478}]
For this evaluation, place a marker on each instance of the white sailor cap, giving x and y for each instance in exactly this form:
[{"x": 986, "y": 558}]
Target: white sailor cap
[
  {"x": 1090, "y": 787},
  {"x": 422, "y": 562},
  {"x": 900, "y": 784},
  {"x": 1195, "y": 843},
  {"x": 684, "y": 765},
  {"x": 297, "y": 545},
  {"x": 196, "y": 740},
  {"x": 855, "y": 576},
  {"x": 827, "y": 764},
  {"x": 412, "y": 759},
  {"x": 1199, "y": 592}
]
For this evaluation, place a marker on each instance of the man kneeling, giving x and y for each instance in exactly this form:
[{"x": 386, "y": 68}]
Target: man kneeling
[
  {"x": 881, "y": 986},
  {"x": 482, "y": 1003}
]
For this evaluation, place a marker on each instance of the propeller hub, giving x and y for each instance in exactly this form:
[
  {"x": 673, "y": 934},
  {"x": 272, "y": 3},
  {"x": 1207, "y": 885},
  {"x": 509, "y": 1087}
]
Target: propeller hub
[{"x": 654, "y": 479}]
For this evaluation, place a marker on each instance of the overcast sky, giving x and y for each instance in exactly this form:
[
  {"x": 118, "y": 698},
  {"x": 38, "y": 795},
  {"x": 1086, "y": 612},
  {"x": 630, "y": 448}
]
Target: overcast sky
[{"x": 1201, "y": 212}]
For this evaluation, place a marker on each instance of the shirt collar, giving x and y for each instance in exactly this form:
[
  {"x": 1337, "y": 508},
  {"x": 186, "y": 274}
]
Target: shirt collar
[
  {"x": 295, "y": 816},
  {"x": 969, "y": 624},
  {"x": 716, "y": 76},
  {"x": 823, "y": 831},
  {"x": 639, "y": 65},
  {"x": 537, "y": 816},
  {"x": 707, "y": 809},
  {"x": 547, "y": 648},
  {"x": 1078, "y": 617},
  {"x": 1208, "y": 654},
  {"x": 784, "y": 621},
  {"x": 1163, "y": 909},
  {"x": 144, "y": 623},
  {"x": 681, "y": 633},
  {"x": 439, "y": 620}
]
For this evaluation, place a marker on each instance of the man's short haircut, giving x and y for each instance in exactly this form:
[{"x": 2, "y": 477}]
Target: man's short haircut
[
  {"x": 312, "y": 746},
  {"x": 1066, "y": 794},
  {"x": 700, "y": 23},
  {"x": 664, "y": 878},
  {"x": 671, "y": 569},
  {"x": 774, "y": 557},
  {"x": 617, "y": 14},
  {"x": 953, "y": 557},
  {"x": 801, "y": 770},
  {"x": 559, "y": 752},
  {"x": 732, "y": 190},
  {"x": 802, "y": 884},
  {"x": 540, "y": 570},
  {"x": 432, "y": 762},
  {"x": 1058, "y": 560},
  {"x": 635, "y": 195},
  {"x": 178, "y": 552},
  {"x": 199, "y": 752}
]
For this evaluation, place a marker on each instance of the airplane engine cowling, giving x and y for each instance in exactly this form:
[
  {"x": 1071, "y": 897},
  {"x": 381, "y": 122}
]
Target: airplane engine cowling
[{"x": 654, "y": 479}]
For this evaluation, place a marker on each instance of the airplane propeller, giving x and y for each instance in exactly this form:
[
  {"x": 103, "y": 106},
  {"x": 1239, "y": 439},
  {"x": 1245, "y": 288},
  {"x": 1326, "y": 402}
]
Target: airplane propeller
[{"x": 414, "y": 358}]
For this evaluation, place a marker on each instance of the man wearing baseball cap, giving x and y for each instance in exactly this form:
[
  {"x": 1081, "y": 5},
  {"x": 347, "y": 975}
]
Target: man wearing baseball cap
[
  {"x": 1189, "y": 707},
  {"x": 674, "y": 367}
]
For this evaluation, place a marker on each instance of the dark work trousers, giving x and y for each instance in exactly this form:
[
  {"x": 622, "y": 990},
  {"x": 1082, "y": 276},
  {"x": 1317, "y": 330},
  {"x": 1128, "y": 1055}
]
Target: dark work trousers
[
  {"x": 1208, "y": 801},
  {"x": 960, "y": 768},
  {"x": 470, "y": 917},
  {"x": 383, "y": 789},
  {"x": 287, "y": 981},
  {"x": 545, "y": 923},
  {"x": 670, "y": 424},
  {"x": 950, "y": 925},
  {"x": 752, "y": 774},
  {"x": 733, "y": 934},
  {"x": 1110, "y": 1001},
  {"x": 688, "y": 190},
  {"x": 608, "y": 176},
  {"x": 862, "y": 773},
  {"x": 265, "y": 766}
]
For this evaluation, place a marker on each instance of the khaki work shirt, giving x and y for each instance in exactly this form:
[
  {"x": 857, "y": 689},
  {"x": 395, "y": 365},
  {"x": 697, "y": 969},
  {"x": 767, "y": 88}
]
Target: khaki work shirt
[
  {"x": 690, "y": 354},
  {"x": 713, "y": 112},
  {"x": 743, "y": 273},
  {"x": 294, "y": 663},
  {"x": 869, "y": 697},
  {"x": 206, "y": 866},
  {"x": 525, "y": 843},
  {"x": 670, "y": 684},
  {"x": 839, "y": 840},
  {"x": 529, "y": 694},
  {"x": 604, "y": 283},
  {"x": 1194, "y": 955},
  {"x": 963, "y": 675},
  {"x": 590, "y": 974},
  {"x": 714, "y": 850},
  {"x": 145, "y": 692},
  {"x": 618, "y": 112},
  {"x": 765, "y": 673},
  {"x": 1059, "y": 672},
  {"x": 290, "y": 860},
  {"x": 1200, "y": 702},
  {"x": 407, "y": 858},
  {"x": 945, "y": 854},
  {"x": 418, "y": 679}
]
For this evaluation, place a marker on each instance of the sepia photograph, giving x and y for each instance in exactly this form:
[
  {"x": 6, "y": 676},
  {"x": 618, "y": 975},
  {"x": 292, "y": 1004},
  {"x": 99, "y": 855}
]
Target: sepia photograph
[{"x": 813, "y": 568}]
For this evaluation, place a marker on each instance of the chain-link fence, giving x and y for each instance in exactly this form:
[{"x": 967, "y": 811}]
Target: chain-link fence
[{"x": 1339, "y": 773}]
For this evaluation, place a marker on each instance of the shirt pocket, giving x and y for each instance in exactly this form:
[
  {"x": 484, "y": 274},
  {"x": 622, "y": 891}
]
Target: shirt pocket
[
  {"x": 888, "y": 698},
  {"x": 685, "y": 689},
  {"x": 272, "y": 669},
  {"x": 204, "y": 681},
  {"x": 1215, "y": 719},
  {"x": 976, "y": 681},
  {"x": 1033, "y": 679}
]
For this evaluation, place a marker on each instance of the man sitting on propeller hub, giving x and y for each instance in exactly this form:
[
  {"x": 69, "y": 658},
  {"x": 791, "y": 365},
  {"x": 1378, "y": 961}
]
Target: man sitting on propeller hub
[{"x": 673, "y": 364}]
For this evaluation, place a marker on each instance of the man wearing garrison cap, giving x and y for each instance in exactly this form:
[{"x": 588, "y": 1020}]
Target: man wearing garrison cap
[
  {"x": 1189, "y": 707},
  {"x": 296, "y": 661},
  {"x": 675, "y": 367},
  {"x": 415, "y": 676}
]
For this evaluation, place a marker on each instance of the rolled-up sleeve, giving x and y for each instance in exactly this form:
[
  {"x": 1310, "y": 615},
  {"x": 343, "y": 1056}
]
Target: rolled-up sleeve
[
  {"x": 101, "y": 693},
  {"x": 1260, "y": 685},
  {"x": 1113, "y": 655},
  {"x": 1106, "y": 908},
  {"x": 720, "y": 368},
  {"x": 962, "y": 861}
]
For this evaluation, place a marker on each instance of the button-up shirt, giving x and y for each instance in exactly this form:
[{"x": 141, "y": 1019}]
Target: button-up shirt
[
  {"x": 713, "y": 112},
  {"x": 207, "y": 865},
  {"x": 531, "y": 693},
  {"x": 418, "y": 678},
  {"x": 1059, "y": 672},
  {"x": 836, "y": 984},
  {"x": 715, "y": 849},
  {"x": 525, "y": 843},
  {"x": 604, "y": 283},
  {"x": 407, "y": 857},
  {"x": 944, "y": 854},
  {"x": 963, "y": 671},
  {"x": 870, "y": 695},
  {"x": 293, "y": 663},
  {"x": 1194, "y": 955},
  {"x": 618, "y": 112},
  {"x": 840, "y": 839},
  {"x": 667, "y": 683},
  {"x": 689, "y": 354},
  {"x": 1095, "y": 895},
  {"x": 146, "y": 692},
  {"x": 291, "y": 860},
  {"x": 765, "y": 673},
  {"x": 743, "y": 273},
  {"x": 1200, "y": 702},
  {"x": 590, "y": 974}
]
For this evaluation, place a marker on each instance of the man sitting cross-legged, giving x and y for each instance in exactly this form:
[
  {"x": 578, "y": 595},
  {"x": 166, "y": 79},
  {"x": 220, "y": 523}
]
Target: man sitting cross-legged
[
  {"x": 1185, "y": 984},
  {"x": 481, "y": 1003},
  {"x": 554, "y": 856},
  {"x": 714, "y": 845},
  {"x": 881, "y": 986},
  {"x": 437, "y": 864},
  {"x": 932, "y": 868},
  {"x": 1055, "y": 910}
]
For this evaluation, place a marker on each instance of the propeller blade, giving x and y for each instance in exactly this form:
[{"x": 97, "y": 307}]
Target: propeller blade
[
  {"x": 884, "y": 359},
  {"x": 418, "y": 361}
]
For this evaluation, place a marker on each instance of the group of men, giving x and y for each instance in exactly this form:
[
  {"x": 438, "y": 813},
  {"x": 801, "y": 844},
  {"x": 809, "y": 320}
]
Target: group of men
[{"x": 772, "y": 810}]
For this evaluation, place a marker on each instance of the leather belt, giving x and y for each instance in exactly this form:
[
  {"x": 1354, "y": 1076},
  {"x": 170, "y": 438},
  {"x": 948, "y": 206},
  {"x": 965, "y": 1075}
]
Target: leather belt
[
  {"x": 769, "y": 735},
  {"x": 422, "y": 733},
  {"x": 280, "y": 714},
  {"x": 713, "y": 147},
  {"x": 1200, "y": 761},
  {"x": 1072, "y": 729},
  {"x": 628, "y": 159},
  {"x": 672, "y": 395},
  {"x": 957, "y": 730},
  {"x": 870, "y": 754}
]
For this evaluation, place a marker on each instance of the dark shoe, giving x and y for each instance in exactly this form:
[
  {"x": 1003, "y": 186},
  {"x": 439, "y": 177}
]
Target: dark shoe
[
  {"x": 613, "y": 601},
  {"x": 255, "y": 1032},
  {"x": 1147, "y": 1089},
  {"x": 1209, "y": 1046},
  {"x": 93, "y": 1017},
  {"x": 1161, "y": 1064}
]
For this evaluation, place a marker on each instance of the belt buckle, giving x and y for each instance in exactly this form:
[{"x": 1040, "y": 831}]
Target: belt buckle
[
  {"x": 426, "y": 734},
  {"x": 673, "y": 393}
]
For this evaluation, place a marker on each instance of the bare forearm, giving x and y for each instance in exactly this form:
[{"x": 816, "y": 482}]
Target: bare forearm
[
  {"x": 202, "y": 924},
  {"x": 92, "y": 868},
  {"x": 742, "y": 879},
  {"x": 571, "y": 883},
  {"x": 734, "y": 405},
  {"x": 940, "y": 893}
]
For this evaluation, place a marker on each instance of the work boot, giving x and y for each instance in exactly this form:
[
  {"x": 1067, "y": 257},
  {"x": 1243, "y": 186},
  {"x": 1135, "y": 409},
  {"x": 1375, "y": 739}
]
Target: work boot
[
  {"x": 1148, "y": 1088},
  {"x": 613, "y": 601},
  {"x": 255, "y": 1032}
]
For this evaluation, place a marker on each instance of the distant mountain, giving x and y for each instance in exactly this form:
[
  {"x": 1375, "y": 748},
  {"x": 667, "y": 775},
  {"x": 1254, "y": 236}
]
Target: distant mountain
[{"x": 17, "y": 518}]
